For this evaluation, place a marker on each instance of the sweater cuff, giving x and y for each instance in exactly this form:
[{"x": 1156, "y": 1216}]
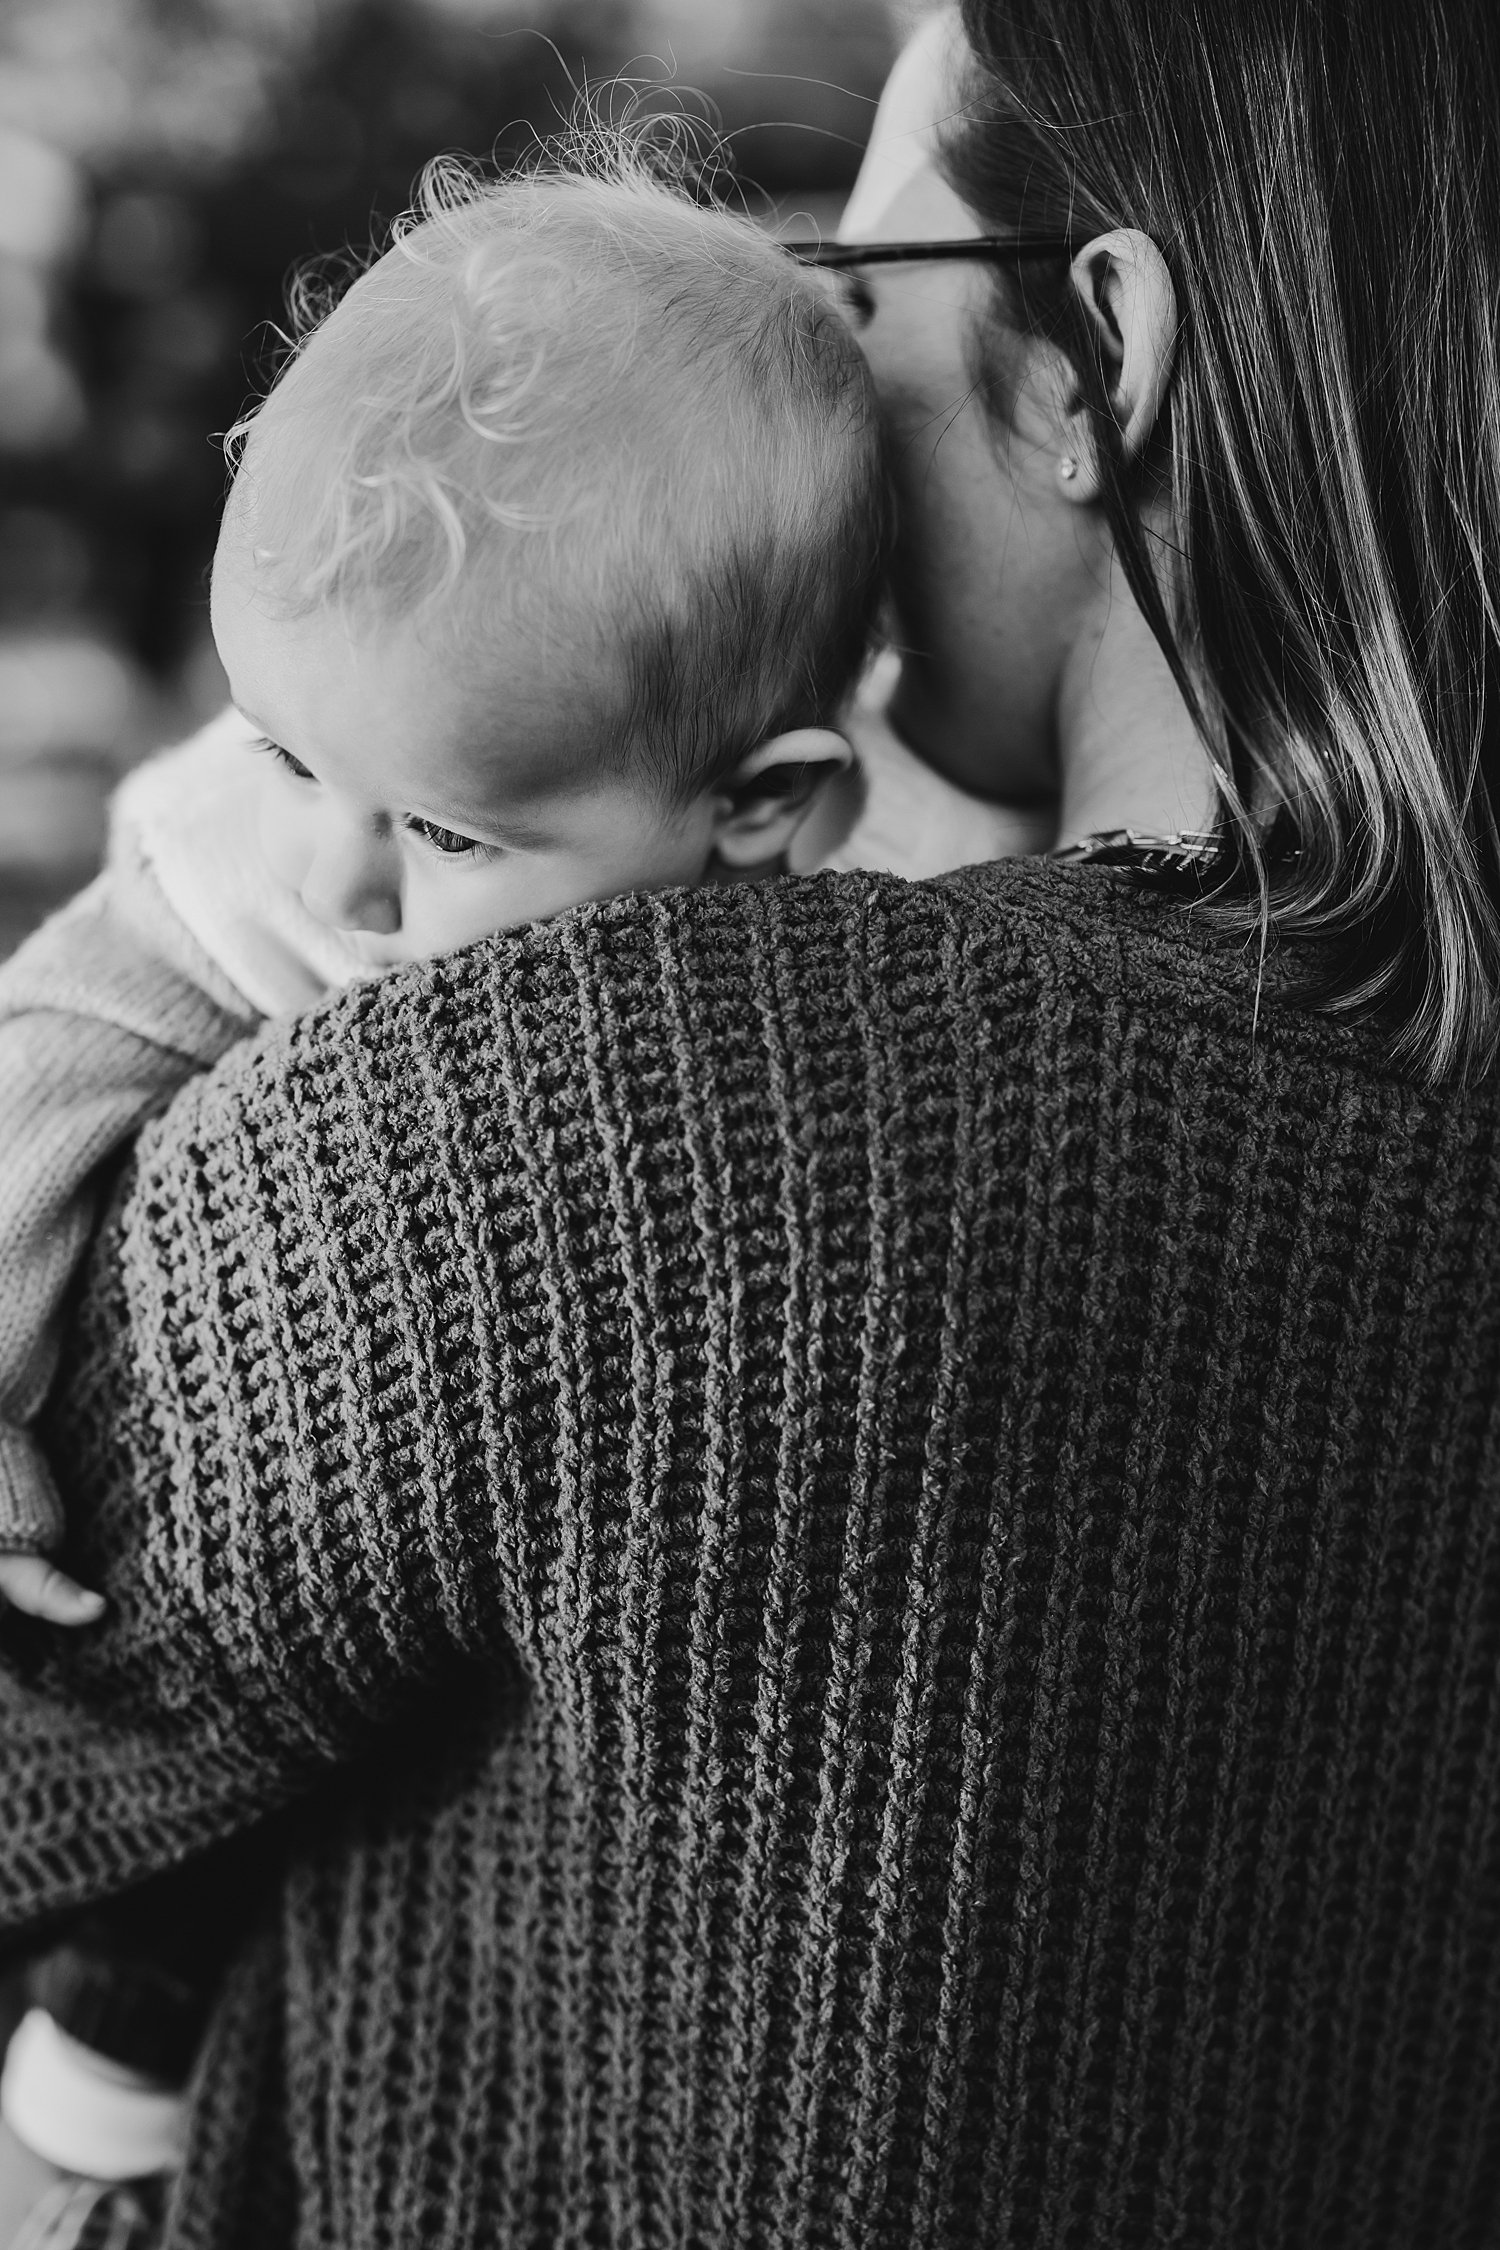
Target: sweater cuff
[
  {"x": 83, "y": 2113},
  {"x": 144, "y": 2015},
  {"x": 31, "y": 1514}
]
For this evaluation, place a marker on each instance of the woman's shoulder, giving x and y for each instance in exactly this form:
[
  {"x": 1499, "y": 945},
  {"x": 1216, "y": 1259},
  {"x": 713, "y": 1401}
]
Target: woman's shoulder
[{"x": 811, "y": 977}]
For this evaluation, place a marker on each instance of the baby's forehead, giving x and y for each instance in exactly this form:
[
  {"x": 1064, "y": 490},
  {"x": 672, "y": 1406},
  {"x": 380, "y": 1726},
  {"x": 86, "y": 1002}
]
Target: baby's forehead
[{"x": 457, "y": 727}]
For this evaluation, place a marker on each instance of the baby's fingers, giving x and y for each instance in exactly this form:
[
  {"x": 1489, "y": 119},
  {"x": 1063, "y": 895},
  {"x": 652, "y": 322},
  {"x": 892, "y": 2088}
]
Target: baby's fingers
[{"x": 36, "y": 1586}]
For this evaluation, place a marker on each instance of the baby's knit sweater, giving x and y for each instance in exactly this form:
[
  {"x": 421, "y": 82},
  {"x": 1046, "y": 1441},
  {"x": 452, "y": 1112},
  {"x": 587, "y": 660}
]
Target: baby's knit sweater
[{"x": 865, "y": 1519}]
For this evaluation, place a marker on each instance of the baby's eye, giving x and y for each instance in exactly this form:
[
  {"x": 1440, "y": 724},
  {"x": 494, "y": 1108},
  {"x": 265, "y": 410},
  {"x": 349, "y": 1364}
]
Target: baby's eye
[
  {"x": 446, "y": 840},
  {"x": 283, "y": 757}
]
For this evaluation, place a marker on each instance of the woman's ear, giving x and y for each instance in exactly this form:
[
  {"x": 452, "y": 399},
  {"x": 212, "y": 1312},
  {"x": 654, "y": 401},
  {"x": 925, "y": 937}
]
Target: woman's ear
[
  {"x": 1123, "y": 285},
  {"x": 758, "y": 809}
]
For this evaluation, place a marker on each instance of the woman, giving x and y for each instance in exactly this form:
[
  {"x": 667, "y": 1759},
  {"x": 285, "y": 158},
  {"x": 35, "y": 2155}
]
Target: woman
[{"x": 858, "y": 1514}]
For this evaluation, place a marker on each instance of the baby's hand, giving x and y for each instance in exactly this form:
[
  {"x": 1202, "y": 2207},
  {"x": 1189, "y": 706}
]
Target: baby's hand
[{"x": 39, "y": 1589}]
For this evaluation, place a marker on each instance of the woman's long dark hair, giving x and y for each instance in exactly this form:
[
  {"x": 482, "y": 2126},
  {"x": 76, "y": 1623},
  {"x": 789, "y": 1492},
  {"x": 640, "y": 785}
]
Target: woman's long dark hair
[{"x": 1323, "y": 178}]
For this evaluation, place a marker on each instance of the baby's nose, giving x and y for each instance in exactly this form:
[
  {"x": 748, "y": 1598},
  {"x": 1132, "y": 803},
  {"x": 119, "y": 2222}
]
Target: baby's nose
[{"x": 353, "y": 882}]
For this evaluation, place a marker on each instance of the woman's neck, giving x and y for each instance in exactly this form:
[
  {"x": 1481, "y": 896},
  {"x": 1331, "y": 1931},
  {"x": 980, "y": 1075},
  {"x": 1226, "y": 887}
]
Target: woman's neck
[{"x": 1128, "y": 752}]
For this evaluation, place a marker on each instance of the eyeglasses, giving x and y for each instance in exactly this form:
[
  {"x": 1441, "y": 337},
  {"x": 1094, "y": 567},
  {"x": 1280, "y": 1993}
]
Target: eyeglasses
[{"x": 991, "y": 247}]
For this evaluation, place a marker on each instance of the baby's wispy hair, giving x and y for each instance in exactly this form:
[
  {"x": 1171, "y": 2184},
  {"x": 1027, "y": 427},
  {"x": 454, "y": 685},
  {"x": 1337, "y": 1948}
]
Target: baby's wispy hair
[{"x": 577, "y": 401}]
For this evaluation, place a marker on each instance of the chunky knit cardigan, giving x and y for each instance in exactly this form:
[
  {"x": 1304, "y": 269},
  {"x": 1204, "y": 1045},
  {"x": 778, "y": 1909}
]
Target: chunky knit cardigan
[{"x": 865, "y": 1521}]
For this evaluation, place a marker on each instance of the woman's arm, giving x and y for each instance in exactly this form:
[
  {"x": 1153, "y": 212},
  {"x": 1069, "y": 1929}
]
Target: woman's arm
[
  {"x": 318, "y": 1397},
  {"x": 432, "y": 1335},
  {"x": 269, "y": 1516}
]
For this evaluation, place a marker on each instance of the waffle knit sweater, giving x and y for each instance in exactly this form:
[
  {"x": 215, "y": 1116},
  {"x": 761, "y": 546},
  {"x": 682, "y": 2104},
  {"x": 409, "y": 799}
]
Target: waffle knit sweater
[{"x": 866, "y": 1529}]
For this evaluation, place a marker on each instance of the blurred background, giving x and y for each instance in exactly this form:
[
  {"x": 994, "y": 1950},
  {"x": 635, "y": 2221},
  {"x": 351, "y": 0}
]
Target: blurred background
[{"x": 164, "y": 166}]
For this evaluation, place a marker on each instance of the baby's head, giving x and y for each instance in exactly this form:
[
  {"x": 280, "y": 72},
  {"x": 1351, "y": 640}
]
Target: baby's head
[{"x": 550, "y": 560}]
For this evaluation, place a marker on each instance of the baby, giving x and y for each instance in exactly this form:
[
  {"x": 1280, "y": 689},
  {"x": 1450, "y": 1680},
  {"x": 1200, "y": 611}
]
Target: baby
[
  {"x": 549, "y": 565},
  {"x": 547, "y": 570}
]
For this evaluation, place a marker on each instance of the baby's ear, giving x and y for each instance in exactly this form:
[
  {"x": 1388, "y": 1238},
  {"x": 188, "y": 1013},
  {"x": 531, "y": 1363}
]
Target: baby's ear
[{"x": 760, "y": 806}]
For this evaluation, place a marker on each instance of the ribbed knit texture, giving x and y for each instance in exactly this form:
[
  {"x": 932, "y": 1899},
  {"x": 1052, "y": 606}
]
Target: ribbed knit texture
[{"x": 893, "y": 1517}]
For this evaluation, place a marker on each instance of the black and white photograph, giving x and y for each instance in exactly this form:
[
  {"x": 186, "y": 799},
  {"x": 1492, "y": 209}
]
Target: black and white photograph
[{"x": 749, "y": 1125}]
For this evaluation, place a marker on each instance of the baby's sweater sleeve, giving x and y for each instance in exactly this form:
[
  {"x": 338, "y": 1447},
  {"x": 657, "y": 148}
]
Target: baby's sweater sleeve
[
  {"x": 181, "y": 948},
  {"x": 104, "y": 1013}
]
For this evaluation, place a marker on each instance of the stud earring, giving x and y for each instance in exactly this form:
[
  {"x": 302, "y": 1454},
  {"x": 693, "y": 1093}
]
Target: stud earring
[{"x": 1067, "y": 469}]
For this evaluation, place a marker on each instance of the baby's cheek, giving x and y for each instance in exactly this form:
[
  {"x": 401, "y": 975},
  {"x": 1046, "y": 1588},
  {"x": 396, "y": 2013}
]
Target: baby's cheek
[
  {"x": 284, "y": 841},
  {"x": 452, "y": 906}
]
